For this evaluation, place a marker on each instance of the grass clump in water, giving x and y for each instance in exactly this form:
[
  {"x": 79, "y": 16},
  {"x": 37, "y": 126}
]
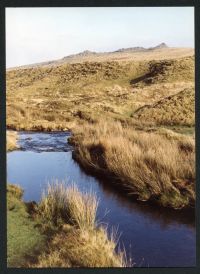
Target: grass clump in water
[
  {"x": 79, "y": 241},
  {"x": 69, "y": 205}
]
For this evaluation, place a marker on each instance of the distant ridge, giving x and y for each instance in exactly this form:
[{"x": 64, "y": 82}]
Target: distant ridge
[
  {"x": 131, "y": 53},
  {"x": 133, "y": 49},
  {"x": 81, "y": 54},
  {"x": 160, "y": 46}
]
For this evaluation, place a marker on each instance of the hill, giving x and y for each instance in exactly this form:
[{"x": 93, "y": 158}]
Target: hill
[
  {"x": 120, "y": 112},
  {"x": 159, "y": 52},
  {"x": 50, "y": 97},
  {"x": 177, "y": 109}
]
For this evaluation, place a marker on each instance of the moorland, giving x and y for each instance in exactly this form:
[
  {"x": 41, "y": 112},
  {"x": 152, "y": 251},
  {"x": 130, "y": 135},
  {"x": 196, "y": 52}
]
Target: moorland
[{"x": 131, "y": 114}]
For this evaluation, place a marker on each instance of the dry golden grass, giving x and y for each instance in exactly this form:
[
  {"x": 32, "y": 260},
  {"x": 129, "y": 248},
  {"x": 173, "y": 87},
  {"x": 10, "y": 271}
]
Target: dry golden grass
[
  {"x": 65, "y": 96},
  {"x": 82, "y": 248},
  {"x": 154, "y": 164},
  {"x": 61, "y": 203},
  {"x": 55, "y": 98},
  {"x": 11, "y": 138},
  {"x": 78, "y": 243},
  {"x": 150, "y": 165},
  {"x": 178, "y": 109}
]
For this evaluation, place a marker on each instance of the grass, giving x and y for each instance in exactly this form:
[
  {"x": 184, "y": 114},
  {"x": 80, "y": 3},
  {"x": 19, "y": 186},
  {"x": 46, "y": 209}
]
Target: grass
[
  {"x": 157, "y": 166},
  {"x": 56, "y": 98},
  {"x": 11, "y": 140},
  {"x": 126, "y": 113},
  {"x": 78, "y": 248},
  {"x": 60, "y": 203},
  {"x": 61, "y": 232},
  {"x": 79, "y": 242},
  {"x": 24, "y": 240},
  {"x": 178, "y": 109}
]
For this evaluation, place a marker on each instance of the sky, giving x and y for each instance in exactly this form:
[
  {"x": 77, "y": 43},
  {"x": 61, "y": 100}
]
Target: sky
[{"x": 43, "y": 34}]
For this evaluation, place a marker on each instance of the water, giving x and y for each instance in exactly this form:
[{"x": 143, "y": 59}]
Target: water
[{"x": 153, "y": 236}]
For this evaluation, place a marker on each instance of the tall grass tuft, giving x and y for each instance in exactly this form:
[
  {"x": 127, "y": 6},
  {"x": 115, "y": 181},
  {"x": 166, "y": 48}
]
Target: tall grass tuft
[
  {"x": 79, "y": 241},
  {"x": 82, "y": 208},
  {"x": 61, "y": 203}
]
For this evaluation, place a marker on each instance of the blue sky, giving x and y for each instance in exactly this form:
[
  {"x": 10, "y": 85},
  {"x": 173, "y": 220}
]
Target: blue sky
[{"x": 42, "y": 34}]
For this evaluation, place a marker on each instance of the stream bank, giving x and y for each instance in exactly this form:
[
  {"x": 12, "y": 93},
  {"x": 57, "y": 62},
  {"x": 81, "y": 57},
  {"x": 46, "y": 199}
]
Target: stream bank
[{"x": 153, "y": 237}]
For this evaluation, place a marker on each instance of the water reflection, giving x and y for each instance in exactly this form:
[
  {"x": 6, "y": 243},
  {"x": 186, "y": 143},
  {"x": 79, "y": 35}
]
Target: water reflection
[
  {"x": 154, "y": 236},
  {"x": 165, "y": 216}
]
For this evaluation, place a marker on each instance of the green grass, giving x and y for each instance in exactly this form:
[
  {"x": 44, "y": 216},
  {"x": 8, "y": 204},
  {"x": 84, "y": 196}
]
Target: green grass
[{"x": 23, "y": 238}]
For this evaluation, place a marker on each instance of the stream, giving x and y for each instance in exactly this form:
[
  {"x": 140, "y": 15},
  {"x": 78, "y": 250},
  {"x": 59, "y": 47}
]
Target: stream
[{"x": 152, "y": 236}]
